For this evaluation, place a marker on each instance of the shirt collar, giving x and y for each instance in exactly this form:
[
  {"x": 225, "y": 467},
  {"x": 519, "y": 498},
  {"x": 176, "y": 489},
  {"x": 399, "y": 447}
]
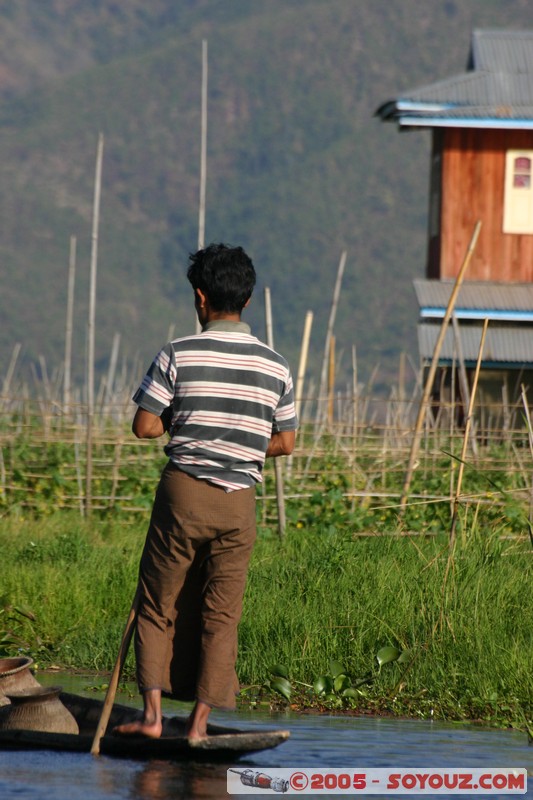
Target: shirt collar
[{"x": 227, "y": 326}]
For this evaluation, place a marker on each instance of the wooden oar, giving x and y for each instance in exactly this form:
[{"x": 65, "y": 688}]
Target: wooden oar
[{"x": 115, "y": 677}]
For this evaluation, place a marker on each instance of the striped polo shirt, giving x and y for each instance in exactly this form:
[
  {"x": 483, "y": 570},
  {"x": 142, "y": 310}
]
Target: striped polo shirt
[{"x": 228, "y": 392}]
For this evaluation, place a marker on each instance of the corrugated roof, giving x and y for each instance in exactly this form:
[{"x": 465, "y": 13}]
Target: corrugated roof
[
  {"x": 509, "y": 345},
  {"x": 474, "y": 89},
  {"x": 501, "y": 51},
  {"x": 496, "y": 91},
  {"x": 476, "y": 299}
]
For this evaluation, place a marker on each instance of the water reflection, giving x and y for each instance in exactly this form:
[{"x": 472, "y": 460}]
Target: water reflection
[
  {"x": 161, "y": 780},
  {"x": 54, "y": 776}
]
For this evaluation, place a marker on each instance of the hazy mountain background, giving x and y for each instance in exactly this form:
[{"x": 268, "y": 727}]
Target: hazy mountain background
[{"x": 298, "y": 166}]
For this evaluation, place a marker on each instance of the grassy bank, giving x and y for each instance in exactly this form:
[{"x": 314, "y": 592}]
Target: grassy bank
[{"x": 454, "y": 631}]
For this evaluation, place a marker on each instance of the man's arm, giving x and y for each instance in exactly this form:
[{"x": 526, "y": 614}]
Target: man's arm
[
  {"x": 146, "y": 425},
  {"x": 281, "y": 444}
]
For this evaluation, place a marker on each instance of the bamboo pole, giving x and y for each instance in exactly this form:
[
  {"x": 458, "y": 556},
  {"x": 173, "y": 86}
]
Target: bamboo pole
[
  {"x": 269, "y": 333},
  {"x": 69, "y": 324},
  {"x": 91, "y": 324},
  {"x": 331, "y": 379},
  {"x": 45, "y": 381},
  {"x": 467, "y": 432},
  {"x": 463, "y": 380},
  {"x": 278, "y": 471},
  {"x": 304, "y": 351},
  {"x": 203, "y": 159},
  {"x": 115, "y": 676},
  {"x": 110, "y": 380},
  {"x": 433, "y": 368},
  {"x": 322, "y": 400},
  {"x": 3, "y": 473},
  {"x": 355, "y": 405},
  {"x": 451, "y": 418},
  {"x": 11, "y": 370},
  {"x": 203, "y": 151},
  {"x": 401, "y": 389},
  {"x": 527, "y": 415},
  {"x": 302, "y": 365},
  {"x": 115, "y": 476}
]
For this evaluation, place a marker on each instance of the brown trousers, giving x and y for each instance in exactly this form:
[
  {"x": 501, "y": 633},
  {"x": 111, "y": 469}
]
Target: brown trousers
[{"x": 192, "y": 579}]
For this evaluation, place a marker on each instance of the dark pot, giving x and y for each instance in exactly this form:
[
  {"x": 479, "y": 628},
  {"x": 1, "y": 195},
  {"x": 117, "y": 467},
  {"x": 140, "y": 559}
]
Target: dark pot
[{"x": 37, "y": 709}]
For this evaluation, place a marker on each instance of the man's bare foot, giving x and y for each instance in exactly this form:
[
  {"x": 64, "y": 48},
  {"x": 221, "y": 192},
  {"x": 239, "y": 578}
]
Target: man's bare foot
[
  {"x": 140, "y": 728},
  {"x": 151, "y": 724},
  {"x": 197, "y": 722},
  {"x": 196, "y": 736}
]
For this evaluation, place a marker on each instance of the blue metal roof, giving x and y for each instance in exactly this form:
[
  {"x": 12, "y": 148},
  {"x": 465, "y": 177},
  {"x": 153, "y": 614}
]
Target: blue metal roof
[
  {"x": 496, "y": 92},
  {"x": 510, "y": 302},
  {"x": 507, "y": 346},
  {"x": 508, "y": 307}
]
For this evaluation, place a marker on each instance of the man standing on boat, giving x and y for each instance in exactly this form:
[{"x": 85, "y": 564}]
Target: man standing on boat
[{"x": 226, "y": 400}]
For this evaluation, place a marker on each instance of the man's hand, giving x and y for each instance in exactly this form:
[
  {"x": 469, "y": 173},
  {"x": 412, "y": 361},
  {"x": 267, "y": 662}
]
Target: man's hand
[
  {"x": 281, "y": 444},
  {"x": 146, "y": 425}
]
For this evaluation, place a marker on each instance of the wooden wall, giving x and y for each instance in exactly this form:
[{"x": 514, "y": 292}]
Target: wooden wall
[{"x": 470, "y": 186}]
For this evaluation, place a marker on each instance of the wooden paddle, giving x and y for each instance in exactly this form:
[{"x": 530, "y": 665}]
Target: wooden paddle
[{"x": 115, "y": 676}]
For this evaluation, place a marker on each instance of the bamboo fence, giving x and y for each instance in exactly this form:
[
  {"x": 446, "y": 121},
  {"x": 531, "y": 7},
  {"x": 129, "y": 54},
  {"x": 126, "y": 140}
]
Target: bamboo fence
[{"x": 362, "y": 446}]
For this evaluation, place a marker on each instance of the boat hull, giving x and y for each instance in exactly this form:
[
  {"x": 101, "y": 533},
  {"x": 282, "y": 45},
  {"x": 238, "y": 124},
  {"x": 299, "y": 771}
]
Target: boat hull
[{"x": 222, "y": 743}]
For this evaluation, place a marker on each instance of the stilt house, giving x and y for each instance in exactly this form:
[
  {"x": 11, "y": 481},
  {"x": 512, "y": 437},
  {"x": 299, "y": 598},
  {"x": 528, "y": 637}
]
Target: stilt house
[{"x": 481, "y": 169}]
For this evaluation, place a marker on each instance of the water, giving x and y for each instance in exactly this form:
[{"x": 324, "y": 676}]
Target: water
[{"x": 316, "y": 742}]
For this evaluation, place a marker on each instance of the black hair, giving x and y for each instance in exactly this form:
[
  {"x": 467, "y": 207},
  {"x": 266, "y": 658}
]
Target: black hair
[{"x": 225, "y": 275}]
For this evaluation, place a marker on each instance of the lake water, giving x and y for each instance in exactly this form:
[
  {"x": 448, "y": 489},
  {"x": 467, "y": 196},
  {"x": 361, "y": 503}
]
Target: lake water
[{"x": 316, "y": 742}]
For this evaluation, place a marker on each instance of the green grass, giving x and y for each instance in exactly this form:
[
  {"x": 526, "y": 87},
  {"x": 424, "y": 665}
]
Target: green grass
[
  {"x": 463, "y": 621},
  {"x": 76, "y": 580}
]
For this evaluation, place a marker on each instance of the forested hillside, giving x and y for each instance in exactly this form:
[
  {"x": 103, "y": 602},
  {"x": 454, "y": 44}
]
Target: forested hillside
[{"x": 298, "y": 167}]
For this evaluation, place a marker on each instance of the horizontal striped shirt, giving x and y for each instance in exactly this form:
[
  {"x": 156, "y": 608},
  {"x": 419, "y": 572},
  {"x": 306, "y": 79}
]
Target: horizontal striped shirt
[{"x": 229, "y": 393}]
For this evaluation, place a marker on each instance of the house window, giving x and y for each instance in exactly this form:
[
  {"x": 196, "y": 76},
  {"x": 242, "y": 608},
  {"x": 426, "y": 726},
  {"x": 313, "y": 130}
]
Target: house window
[{"x": 518, "y": 197}]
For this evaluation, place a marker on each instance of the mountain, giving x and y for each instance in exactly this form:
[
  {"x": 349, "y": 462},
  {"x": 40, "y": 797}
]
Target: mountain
[{"x": 298, "y": 167}]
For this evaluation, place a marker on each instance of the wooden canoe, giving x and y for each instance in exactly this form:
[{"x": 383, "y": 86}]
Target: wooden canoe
[{"x": 222, "y": 744}]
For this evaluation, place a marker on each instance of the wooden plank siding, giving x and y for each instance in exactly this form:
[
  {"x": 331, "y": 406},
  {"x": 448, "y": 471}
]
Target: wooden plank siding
[{"x": 472, "y": 175}]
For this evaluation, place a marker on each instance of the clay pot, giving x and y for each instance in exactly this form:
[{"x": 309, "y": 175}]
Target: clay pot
[
  {"x": 15, "y": 676},
  {"x": 37, "y": 709}
]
